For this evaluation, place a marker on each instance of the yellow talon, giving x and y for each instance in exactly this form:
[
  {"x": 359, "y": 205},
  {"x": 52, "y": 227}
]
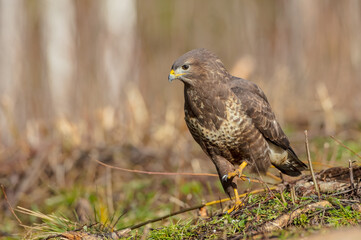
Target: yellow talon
[{"x": 238, "y": 172}]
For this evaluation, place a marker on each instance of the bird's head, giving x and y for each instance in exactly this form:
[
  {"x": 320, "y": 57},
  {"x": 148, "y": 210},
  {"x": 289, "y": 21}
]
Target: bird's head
[{"x": 197, "y": 66}]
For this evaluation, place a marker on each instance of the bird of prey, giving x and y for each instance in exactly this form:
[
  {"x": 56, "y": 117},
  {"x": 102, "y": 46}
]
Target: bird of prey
[{"x": 232, "y": 120}]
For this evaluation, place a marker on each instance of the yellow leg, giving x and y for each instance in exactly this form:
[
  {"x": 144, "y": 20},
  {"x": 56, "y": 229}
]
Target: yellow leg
[
  {"x": 236, "y": 195},
  {"x": 238, "y": 202},
  {"x": 238, "y": 172}
]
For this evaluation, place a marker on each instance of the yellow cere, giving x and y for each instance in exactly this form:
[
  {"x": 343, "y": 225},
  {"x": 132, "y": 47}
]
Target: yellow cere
[{"x": 174, "y": 74}]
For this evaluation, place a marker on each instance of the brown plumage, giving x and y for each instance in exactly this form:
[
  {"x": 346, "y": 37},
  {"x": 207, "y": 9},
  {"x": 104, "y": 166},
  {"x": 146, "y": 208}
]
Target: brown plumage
[{"x": 231, "y": 119}]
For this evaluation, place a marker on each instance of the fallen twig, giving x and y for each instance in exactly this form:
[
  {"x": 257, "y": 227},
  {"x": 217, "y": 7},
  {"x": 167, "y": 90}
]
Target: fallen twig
[
  {"x": 324, "y": 186},
  {"x": 343, "y": 192},
  {"x": 285, "y": 219}
]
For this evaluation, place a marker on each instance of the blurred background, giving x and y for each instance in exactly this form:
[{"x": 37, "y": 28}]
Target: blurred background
[{"x": 84, "y": 80}]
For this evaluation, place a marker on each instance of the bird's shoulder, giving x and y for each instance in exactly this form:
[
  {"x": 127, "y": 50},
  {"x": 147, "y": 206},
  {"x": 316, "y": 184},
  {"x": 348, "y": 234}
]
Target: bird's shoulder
[{"x": 244, "y": 88}]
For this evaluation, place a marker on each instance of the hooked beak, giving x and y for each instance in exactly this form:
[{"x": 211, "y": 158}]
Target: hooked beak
[{"x": 173, "y": 75}]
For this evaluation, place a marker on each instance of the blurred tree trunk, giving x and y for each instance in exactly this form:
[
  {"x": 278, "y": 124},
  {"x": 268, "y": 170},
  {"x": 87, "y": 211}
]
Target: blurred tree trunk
[
  {"x": 11, "y": 65},
  {"x": 59, "y": 39},
  {"x": 63, "y": 59}
]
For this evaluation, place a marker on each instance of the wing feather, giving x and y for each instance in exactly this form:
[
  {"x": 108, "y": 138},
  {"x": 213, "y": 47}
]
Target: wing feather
[{"x": 255, "y": 104}]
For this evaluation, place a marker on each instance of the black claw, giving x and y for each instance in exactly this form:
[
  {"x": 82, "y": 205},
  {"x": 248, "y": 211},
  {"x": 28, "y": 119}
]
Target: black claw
[{"x": 225, "y": 178}]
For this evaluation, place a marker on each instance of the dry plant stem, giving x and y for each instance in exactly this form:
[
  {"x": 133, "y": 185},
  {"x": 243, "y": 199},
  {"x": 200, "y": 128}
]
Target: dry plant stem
[
  {"x": 40, "y": 215},
  {"x": 243, "y": 177},
  {"x": 285, "y": 219},
  {"x": 156, "y": 173},
  {"x": 310, "y": 165},
  {"x": 9, "y": 205},
  {"x": 293, "y": 195},
  {"x": 352, "y": 181},
  {"x": 283, "y": 198},
  {"x": 346, "y": 191},
  {"x": 343, "y": 145}
]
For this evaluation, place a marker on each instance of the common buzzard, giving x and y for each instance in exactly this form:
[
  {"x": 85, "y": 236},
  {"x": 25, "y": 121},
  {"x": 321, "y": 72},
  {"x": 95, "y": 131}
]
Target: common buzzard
[{"x": 232, "y": 120}]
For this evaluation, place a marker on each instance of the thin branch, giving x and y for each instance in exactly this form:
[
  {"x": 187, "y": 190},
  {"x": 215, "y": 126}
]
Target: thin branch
[
  {"x": 9, "y": 205},
  {"x": 310, "y": 165},
  {"x": 343, "y": 192},
  {"x": 343, "y": 145},
  {"x": 293, "y": 195},
  {"x": 156, "y": 173},
  {"x": 243, "y": 177}
]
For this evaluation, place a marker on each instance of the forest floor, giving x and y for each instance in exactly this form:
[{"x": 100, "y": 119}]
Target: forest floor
[
  {"x": 72, "y": 189},
  {"x": 287, "y": 210}
]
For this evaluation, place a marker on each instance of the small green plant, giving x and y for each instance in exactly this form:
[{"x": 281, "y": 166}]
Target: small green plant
[{"x": 302, "y": 220}]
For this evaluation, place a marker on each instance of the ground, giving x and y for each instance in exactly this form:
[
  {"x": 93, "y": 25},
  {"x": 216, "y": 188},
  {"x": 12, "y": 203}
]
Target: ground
[{"x": 68, "y": 194}]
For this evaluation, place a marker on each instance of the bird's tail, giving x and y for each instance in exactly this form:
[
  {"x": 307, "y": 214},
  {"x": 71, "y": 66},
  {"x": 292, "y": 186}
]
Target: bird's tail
[{"x": 286, "y": 161}]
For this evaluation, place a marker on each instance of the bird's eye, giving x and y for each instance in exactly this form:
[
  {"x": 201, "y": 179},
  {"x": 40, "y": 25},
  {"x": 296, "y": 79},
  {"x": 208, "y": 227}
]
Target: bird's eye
[{"x": 185, "y": 67}]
